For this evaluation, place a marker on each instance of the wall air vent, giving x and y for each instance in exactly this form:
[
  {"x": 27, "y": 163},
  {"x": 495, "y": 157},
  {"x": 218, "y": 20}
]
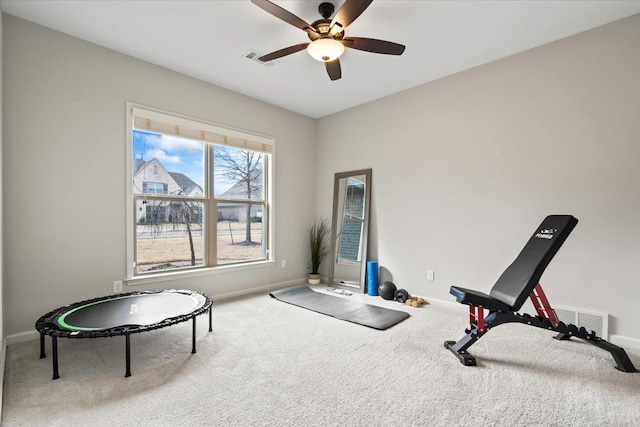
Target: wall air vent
[
  {"x": 254, "y": 55},
  {"x": 591, "y": 321}
]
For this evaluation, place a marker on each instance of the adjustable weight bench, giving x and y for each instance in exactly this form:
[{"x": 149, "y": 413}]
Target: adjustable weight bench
[{"x": 519, "y": 281}]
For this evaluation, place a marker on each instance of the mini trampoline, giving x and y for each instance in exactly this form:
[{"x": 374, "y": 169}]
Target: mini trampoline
[{"x": 122, "y": 314}]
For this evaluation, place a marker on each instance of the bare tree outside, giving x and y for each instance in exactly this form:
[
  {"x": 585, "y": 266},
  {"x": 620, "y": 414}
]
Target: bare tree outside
[
  {"x": 191, "y": 215},
  {"x": 244, "y": 168},
  {"x": 172, "y": 221}
]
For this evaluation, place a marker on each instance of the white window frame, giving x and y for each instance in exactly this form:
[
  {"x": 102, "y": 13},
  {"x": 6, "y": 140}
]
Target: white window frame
[{"x": 213, "y": 133}]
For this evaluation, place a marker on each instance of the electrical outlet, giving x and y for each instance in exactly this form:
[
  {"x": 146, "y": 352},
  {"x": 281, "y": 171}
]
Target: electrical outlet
[
  {"x": 284, "y": 263},
  {"x": 117, "y": 286},
  {"x": 431, "y": 275}
]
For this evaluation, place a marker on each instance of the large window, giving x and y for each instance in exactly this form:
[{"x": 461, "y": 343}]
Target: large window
[{"x": 199, "y": 194}]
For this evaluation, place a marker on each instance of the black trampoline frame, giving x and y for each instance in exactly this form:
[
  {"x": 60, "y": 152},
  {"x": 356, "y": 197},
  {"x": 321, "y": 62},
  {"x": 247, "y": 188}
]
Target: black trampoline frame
[{"x": 47, "y": 325}]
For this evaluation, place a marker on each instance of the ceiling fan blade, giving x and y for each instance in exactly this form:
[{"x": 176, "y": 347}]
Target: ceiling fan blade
[
  {"x": 374, "y": 45},
  {"x": 285, "y": 15},
  {"x": 283, "y": 52},
  {"x": 333, "y": 69},
  {"x": 348, "y": 13}
]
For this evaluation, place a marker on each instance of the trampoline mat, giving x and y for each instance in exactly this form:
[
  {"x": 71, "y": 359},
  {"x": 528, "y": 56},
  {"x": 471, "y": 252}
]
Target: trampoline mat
[
  {"x": 140, "y": 309},
  {"x": 341, "y": 308}
]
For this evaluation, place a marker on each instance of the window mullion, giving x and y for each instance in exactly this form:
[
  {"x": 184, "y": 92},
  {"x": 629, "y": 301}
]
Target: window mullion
[
  {"x": 212, "y": 233},
  {"x": 212, "y": 212}
]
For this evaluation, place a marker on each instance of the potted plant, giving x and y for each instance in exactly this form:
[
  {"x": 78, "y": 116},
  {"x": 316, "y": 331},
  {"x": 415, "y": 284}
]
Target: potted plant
[{"x": 320, "y": 247}]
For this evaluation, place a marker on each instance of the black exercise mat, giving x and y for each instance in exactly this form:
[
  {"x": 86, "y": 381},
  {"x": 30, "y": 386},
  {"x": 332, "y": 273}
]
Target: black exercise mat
[{"x": 340, "y": 308}]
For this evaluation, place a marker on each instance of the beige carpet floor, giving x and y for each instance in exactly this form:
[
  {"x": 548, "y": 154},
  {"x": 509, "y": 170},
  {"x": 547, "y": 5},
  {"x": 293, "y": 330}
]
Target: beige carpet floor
[{"x": 268, "y": 363}]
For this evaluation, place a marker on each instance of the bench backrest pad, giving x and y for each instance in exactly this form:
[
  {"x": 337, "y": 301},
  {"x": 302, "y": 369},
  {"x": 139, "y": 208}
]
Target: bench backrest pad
[{"x": 521, "y": 277}]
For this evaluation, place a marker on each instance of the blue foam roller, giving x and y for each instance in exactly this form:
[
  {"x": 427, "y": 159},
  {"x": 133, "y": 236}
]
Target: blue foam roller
[{"x": 372, "y": 278}]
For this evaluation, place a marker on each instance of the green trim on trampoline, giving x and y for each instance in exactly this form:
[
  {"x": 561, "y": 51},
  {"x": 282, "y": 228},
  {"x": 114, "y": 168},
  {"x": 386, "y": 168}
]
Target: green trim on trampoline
[{"x": 78, "y": 328}]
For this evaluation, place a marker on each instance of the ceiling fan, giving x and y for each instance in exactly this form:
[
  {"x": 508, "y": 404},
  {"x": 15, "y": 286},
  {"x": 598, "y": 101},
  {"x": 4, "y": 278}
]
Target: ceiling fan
[{"x": 327, "y": 35}]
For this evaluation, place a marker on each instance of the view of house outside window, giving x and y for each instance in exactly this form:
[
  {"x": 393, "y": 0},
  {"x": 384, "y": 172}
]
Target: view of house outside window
[
  {"x": 352, "y": 222},
  {"x": 197, "y": 204}
]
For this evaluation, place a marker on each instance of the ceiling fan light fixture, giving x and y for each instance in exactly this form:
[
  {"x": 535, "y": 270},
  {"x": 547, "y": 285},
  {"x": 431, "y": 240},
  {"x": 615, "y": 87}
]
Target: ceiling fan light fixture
[{"x": 325, "y": 49}]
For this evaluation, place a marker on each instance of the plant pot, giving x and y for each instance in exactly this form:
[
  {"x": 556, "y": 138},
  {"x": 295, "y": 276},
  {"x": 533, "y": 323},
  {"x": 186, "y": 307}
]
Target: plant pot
[{"x": 314, "y": 279}]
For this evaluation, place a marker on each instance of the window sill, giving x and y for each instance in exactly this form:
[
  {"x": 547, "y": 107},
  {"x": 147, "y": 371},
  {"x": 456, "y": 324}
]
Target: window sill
[{"x": 178, "y": 275}]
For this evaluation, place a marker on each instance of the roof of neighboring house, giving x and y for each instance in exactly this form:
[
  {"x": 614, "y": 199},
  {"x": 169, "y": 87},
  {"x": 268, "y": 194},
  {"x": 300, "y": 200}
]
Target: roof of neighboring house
[
  {"x": 184, "y": 182},
  {"x": 137, "y": 165}
]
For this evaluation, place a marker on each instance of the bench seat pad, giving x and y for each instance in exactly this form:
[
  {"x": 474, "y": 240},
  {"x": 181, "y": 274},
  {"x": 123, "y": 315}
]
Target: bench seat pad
[{"x": 471, "y": 297}]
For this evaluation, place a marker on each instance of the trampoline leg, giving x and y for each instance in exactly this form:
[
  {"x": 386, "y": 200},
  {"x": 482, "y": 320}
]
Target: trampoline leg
[
  {"x": 193, "y": 347},
  {"x": 210, "y": 320},
  {"x": 42, "y": 353},
  {"x": 127, "y": 355},
  {"x": 54, "y": 350}
]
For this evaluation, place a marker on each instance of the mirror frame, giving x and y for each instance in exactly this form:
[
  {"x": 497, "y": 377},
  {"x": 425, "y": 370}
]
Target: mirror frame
[{"x": 365, "y": 229}]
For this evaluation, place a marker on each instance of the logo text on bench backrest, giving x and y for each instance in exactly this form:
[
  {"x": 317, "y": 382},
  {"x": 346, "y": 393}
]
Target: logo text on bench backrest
[{"x": 546, "y": 233}]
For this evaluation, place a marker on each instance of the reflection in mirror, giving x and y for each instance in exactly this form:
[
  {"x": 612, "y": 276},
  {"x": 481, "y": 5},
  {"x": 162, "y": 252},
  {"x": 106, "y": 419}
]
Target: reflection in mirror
[{"x": 349, "y": 229}]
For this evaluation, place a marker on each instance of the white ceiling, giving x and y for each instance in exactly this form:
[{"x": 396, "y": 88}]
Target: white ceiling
[{"x": 208, "y": 40}]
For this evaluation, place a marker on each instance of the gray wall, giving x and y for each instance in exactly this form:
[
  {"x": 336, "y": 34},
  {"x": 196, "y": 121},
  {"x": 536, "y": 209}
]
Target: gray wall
[
  {"x": 64, "y": 156},
  {"x": 465, "y": 168}
]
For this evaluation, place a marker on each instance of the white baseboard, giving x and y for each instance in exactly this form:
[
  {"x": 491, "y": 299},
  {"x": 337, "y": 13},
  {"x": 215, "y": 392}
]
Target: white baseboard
[
  {"x": 448, "y": 304},
  {"x": 259, "y": 289},
  {"x": 22, "y": 337},
  {"x": 625, "y": 342},
  {"x": 3, "y": 355},
  {"x": 33, "y": 335}
]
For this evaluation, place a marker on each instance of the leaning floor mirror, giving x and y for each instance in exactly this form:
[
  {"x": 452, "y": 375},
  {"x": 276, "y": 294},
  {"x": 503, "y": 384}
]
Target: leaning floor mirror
[{"x": 350, "y": 229}]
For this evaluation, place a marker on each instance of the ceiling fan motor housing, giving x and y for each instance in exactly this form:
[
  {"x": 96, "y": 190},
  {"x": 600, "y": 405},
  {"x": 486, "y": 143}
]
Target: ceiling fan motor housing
[
  {"x": 323, "y": 28},
  {"x": 326, "y": 9}
]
